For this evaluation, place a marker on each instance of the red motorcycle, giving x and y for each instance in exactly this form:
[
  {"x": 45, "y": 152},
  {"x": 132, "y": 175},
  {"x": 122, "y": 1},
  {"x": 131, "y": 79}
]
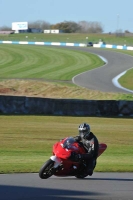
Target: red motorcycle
[{"x": 61, "y": 164}]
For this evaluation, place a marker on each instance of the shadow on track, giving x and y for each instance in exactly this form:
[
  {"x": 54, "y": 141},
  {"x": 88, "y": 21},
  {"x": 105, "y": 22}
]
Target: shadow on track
[
  {"x": 20, "y": 193},
  {"x": 102, "y": 179},
  {"x": 112, "y": 179}
]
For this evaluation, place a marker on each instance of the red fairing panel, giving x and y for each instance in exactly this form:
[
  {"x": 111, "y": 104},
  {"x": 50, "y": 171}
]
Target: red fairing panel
[{"x": 102, "y": 148}]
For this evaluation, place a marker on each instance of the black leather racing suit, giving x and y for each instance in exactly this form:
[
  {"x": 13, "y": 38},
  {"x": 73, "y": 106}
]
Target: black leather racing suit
[{"x": 91, "y": 146}]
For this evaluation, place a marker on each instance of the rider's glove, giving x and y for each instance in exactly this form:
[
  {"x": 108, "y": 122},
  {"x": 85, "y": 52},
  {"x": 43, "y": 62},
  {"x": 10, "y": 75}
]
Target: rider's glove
[
  {"x": 77, "y": 138},
  {"x": 76, "y": 157}
]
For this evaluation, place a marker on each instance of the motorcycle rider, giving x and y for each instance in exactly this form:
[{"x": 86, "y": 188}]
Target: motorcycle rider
[{"x": 90, "y": 142}]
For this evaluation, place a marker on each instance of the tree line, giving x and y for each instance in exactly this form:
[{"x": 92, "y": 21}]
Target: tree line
[{"x": 65, "y": 26}]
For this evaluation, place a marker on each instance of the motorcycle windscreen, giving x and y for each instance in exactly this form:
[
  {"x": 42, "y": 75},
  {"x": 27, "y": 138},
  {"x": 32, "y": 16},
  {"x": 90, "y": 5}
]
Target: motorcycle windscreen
[
  {"x": 68, "y": 143},
  {"x": 65, "y": 147}
]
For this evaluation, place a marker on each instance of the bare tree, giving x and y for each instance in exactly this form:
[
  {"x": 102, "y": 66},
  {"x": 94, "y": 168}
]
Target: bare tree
[
  {"x": 39, "y": 25},
  {"x": 91, "y": 27}
]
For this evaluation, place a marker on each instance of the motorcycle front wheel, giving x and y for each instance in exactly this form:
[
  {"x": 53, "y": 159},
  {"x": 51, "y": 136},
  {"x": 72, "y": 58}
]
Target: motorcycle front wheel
[{"x": 47, "y": 169}]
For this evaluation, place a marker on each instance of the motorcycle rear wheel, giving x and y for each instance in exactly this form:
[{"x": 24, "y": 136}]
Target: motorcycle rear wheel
[
  {"x": 80, "y": 176},
  {"x": 47, "y": 169}
]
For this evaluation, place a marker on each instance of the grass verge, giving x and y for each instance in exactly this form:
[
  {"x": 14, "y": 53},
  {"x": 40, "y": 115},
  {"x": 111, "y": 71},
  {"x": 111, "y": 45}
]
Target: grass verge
[
  {"x": 26, "y": 141},
  {"x": 50, "y": 63},
  {"x": 47, "y": 72},
  {"x": 126, "y": 39}
]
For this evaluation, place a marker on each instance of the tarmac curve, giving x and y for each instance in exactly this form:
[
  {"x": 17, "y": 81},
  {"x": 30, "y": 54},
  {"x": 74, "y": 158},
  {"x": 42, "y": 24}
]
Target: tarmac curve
[
  {"x": 101, "y": 186},
  {"x": 105, "y": 78}
]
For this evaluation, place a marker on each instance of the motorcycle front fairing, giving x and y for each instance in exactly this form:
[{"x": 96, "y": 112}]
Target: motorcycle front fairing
[
  {"x": 62, "y": 150},
  {"x": 65, "y": 147}
]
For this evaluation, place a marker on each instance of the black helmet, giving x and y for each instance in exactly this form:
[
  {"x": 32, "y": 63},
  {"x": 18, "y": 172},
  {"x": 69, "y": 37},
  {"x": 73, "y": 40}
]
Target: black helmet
[{"x": 84, "y": 130}]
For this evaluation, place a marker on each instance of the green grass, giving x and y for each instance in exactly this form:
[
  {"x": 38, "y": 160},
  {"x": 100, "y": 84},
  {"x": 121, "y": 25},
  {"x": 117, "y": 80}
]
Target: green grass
[
  {"x": 127, "y": 79},
  {"x": 51, "y": 64},
  {"x": 23, "y": 61},
  {"x": 26, "y": 141},
  {"x": 71, "y": 37},
  {"x": 28, "y": 62}
]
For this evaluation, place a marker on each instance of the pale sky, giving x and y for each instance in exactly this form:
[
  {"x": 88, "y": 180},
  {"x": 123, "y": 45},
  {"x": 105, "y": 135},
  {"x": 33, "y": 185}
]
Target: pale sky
[{"x": 113, "y": 14}]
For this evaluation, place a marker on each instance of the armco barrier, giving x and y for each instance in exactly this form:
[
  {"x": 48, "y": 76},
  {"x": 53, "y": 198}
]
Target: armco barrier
[{"x": 64, "y": 107}]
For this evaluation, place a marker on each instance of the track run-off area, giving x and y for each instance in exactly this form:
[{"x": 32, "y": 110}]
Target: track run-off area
[{"x": 108, "y": 186}]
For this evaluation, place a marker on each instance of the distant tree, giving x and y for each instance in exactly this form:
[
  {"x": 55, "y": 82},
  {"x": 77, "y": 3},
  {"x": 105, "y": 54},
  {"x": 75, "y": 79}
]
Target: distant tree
[
  {"x": 5, "y": 28},
  {"x": 84, "y": 26},
  {"x": 126, "y": 31},
  {"x": 67, "y": 26},
  {"x": 91, "y": 27},
  {"x": 39, "y": 25}
]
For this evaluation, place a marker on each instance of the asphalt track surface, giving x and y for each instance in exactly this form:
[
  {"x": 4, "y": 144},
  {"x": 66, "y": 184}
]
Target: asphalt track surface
[
  {"x": 101, "y": 78},
  {"x": 101, "y": 186}
]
